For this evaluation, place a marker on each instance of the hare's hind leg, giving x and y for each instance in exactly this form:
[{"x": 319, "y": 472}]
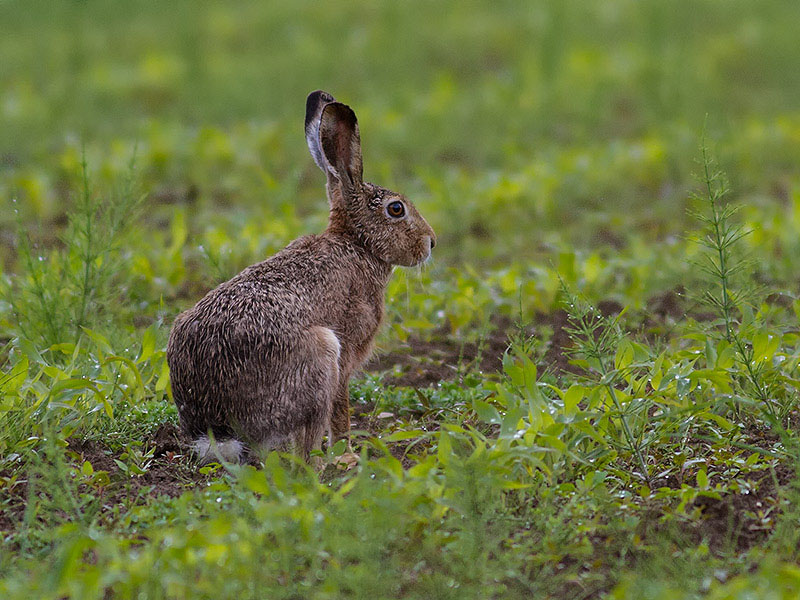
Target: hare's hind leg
[{"x": 321, "y": 383}]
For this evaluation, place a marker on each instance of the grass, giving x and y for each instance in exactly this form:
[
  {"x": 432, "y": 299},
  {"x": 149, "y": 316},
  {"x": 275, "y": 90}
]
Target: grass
[{"x": 591, "y": 392}]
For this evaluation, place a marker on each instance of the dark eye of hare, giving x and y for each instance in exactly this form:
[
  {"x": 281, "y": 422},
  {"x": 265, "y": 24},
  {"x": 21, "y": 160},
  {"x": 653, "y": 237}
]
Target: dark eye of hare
[{"x": 396, "y": 209}]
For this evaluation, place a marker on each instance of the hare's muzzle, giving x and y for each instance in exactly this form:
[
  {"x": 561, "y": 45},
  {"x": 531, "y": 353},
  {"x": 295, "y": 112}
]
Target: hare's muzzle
[{"x": 428, "y": 244}]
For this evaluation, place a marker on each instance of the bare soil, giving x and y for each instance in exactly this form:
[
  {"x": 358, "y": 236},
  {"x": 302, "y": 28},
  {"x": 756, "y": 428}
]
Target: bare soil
[
  {"x": 169, "y": 472},
  {"x": 422, "y": 362},
  {"x": 425, "y": 361}
]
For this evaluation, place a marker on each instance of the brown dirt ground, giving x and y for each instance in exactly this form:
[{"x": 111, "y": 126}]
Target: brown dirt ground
[
  {"x": 423, "y": 362},
  {"x": 170, "y": 472},
  {"x": 725, "y": 523},
  {"x": 167, "y": 473}
]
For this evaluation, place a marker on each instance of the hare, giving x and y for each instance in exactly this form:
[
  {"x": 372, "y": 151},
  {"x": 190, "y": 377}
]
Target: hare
[{"x": 266, "y": 357}]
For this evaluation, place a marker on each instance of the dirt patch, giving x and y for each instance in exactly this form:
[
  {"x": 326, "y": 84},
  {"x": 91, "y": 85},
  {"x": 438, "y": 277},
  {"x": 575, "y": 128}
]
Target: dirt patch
[
  {"x": 782, "y": 299},
  {"x": 667, "y": 304},
  {"x": 556, "y": 357},
  {"x": 675, "y": 305},
  {"x": 363, "y": 418},
  {"x": 737, "y": 520},
  {"x": 742, "y": 521},
  {"x": 424, "y": 362},
  {"x": 729, "y": 526},
  {"x": 169, "y": 471},
  {"x": 169, "y": 438}
]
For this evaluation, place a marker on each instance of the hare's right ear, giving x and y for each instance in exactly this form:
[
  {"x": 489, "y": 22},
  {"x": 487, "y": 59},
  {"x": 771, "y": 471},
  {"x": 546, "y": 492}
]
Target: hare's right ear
[{"x": 315, "y": 102}]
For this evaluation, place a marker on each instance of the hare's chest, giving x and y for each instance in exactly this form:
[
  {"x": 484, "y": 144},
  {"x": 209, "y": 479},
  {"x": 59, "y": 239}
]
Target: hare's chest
[{"x": 359, "y": 331}]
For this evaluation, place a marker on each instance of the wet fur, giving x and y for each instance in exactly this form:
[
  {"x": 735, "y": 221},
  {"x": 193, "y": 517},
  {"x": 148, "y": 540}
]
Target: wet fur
[{"x": 267, "y": 356}]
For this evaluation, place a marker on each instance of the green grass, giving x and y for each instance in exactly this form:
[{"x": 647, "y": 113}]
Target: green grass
[{"x": 617, "y": 413}]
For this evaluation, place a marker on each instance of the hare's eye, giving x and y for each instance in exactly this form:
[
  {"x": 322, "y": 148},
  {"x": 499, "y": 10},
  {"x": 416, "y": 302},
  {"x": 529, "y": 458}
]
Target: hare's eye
[{"x": 396, "y": 209}]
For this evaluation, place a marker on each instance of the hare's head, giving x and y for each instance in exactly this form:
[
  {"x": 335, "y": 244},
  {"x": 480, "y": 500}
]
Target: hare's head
[{"x": 386, "y": 223}]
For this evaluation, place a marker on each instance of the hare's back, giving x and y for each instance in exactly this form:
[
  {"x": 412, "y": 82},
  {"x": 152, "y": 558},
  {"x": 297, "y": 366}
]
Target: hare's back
[{"x": 242, "y": 311}]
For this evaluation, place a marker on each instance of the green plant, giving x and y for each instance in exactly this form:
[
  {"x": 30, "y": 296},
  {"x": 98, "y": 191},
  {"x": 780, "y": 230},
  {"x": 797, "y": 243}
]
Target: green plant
[
  {"x": 602, "y": 349},
  {"x": 755, "y": 346},
  {"x": 68, "y": 289}
]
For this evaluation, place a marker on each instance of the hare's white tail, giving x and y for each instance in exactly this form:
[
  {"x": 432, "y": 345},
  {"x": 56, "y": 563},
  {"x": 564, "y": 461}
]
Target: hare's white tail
[{"x": 208, "y": 450}]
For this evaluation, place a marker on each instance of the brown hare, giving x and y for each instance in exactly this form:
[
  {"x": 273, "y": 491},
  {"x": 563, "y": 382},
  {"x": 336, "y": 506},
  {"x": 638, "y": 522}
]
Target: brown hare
[{"x": 266, "y": 357}]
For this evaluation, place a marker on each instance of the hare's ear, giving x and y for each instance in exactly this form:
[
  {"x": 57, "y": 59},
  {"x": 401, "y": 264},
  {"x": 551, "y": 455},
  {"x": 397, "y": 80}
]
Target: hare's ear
[
  {"x": 341, "y": 145},
  {"x": 315, "y": 102}
]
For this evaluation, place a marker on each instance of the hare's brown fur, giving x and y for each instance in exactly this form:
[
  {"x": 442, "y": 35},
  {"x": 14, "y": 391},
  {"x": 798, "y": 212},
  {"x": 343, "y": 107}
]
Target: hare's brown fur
[{"x": 267, "y": 356}]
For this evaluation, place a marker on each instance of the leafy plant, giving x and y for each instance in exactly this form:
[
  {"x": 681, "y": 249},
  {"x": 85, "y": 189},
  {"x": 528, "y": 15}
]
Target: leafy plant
[
  {"x": 755, "y": 346},
  {"x": 68, "y": 289}
]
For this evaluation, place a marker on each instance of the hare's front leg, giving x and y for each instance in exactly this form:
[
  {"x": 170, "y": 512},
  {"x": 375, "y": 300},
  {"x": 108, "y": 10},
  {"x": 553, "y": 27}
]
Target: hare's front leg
[{"x": 317, "y": 394}]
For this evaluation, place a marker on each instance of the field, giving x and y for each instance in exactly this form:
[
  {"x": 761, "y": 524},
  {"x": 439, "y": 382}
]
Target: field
[{"x": 592, "y": 389}]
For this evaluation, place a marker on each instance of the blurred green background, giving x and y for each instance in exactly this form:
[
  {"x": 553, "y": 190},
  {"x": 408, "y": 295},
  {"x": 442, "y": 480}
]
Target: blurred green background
[
  {"x": 544, "y": 141},
  {"x": 519, "y": 127}
]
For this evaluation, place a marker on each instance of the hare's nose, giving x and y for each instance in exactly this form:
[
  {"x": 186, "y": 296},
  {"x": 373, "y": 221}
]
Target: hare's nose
[{"x": 433, "y": 242}]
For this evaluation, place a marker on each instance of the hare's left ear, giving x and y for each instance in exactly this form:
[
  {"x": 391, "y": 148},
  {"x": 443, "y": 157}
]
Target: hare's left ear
[
  {"x": 341, "y": 145},
  {"x": 315, "y": 102}
]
